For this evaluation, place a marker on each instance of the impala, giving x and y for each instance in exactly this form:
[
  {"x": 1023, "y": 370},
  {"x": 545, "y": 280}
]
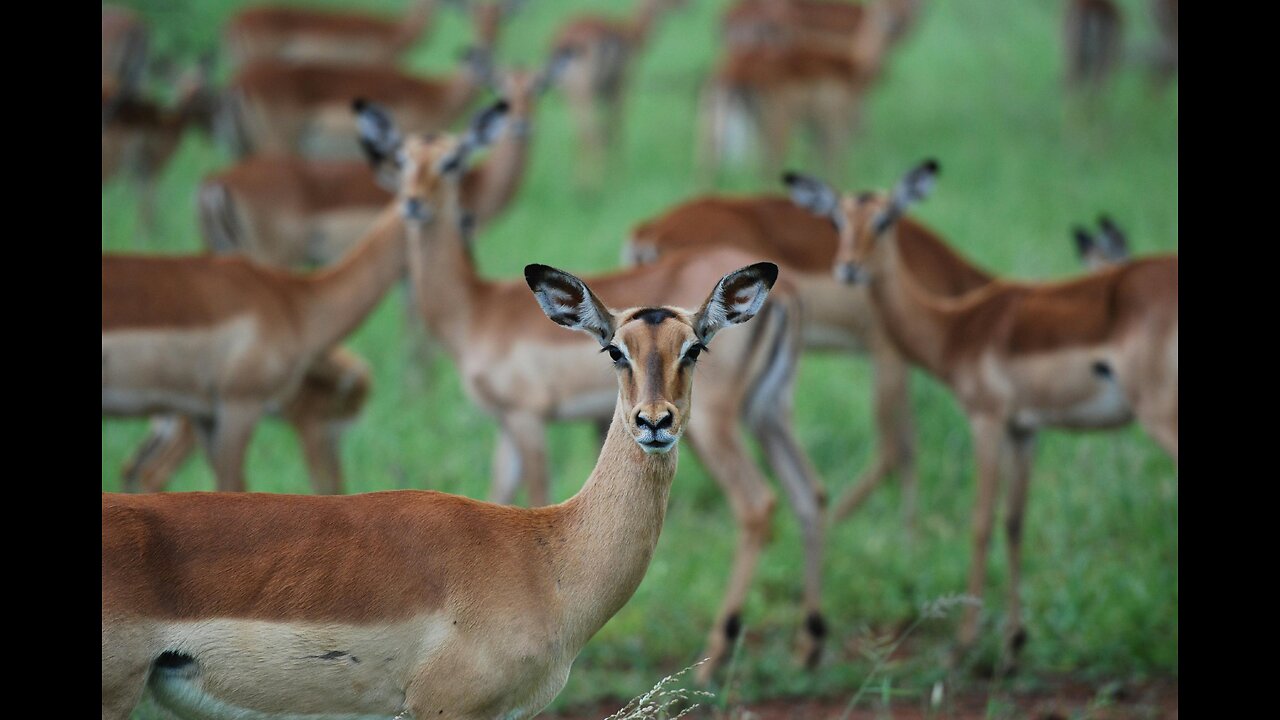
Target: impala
[
  {"x": 288, "y": 211},
  {"x": 409, "y": 603},
  {"x": 594, "y": 83},
  {"x": 836, "y": 316},
  {"x": 1165, "y": 14},
  {"x": 222, "y": 339},
  {"x": 284, "y": 32},
  {"x": 280, "y": 107},
  {"x": 139, "y": 137},
  {"x": 805, "y": 23},
  {"x": 769, "y": 90},
  {"x": 1093, "y": 41},
  {"x": 124, "y": 57},
  {"x": 1108, "y": 247},
  {"x": 1091, "y": 352},
  {"x": 527, "y": 378},
  {"x": 331, "y": 395}
]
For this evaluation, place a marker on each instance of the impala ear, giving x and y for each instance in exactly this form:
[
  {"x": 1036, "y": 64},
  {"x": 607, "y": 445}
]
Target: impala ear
[
  {"x": 379, "y": 137},
  {"x": 485, "y": 127},
  {"x": 912, "y": 188},
  {"x": 736, "y": 299},
  {"x": 814, "y": 195},
  {"x": 1114, "y": 241},
  {"x": 1084, "y": 242},
  {"x": 569, "y": 302},
  {"x": 555, "y": 67}
]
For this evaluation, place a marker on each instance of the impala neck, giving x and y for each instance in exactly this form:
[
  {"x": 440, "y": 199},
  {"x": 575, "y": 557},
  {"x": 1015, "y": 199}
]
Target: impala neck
[
  {"x": 909, "y": 312},
  {"x": 445, "y": 284},
  {"x": 611, "y": 528},
  {"x": 492, "y": 185},
  {"x": 414, "y": 22},
  {"x": 339, "y": 298}
]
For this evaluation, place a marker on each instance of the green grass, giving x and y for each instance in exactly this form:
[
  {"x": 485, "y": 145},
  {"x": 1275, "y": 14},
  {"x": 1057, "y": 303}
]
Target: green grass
[{"x": 978, "y": 86}]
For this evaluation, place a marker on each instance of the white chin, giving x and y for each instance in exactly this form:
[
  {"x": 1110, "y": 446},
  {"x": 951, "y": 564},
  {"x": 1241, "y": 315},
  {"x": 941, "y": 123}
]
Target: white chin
[{"x": 657, "y": 449}]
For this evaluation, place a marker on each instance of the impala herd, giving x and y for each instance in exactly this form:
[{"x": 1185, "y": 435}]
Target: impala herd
[{"x": 422, "y": 604}]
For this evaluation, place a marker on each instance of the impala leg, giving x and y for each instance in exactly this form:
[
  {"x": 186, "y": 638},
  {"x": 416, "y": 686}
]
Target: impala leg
[
  {"x": 987, "y": 436},
  {"x": 1023, "y": 444},
  {"x": 228, "y": 442},
  {"x": 775, "y": 124},
  {"x": 521, "y": 459},
  {"x": 727, "y": 460},
  {"x": 320, "y": 441},
  {"x": 808, "y": 497},
  {"x": 166, "y": 447},
  {"x": 125, "y": 663}
]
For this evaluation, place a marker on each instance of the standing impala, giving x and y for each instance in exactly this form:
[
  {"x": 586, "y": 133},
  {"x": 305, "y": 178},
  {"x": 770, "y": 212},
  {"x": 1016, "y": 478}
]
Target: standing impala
[
  {"x": 289, "y": 211},
  {"x": 286, "y": 32},
  {"x": 527, "y": 378},
  {"x": 1093, "y": 40},
  {"x": 1092, "y": 352},
  {"x": 409, "y": 603},
  {"x": 331, "y": 395},
  {"x": 222, "y": 340},
  {"x": 595, "y": 81},
  {"x": 837, "y": 316},
  {"x": 805, "y": 23},
  {"x": 281, "y": 107},
  {"x": 770, "y": 90}
]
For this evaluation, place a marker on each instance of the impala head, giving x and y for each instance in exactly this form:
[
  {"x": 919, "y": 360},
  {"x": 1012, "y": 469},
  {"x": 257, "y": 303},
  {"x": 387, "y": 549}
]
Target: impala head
[
  {"x": 522, "y": 87},
  {"x": 1108, "y": 247},
  {"x": 866, "y": 222},
  {"x": 419, "y": 167},
  {"x": 653, "y": 349}
]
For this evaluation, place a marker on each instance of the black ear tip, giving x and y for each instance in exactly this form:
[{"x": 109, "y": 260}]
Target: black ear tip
[
  {"x": 1104, "y": 221},
  {"x": 501, "y": 106},
  {"x": 768, "y": 271},
  {"x": 790, "y": 178},
  {"x": 534, "y": 273},
  {"x": 359, "y": 104},
  {"x": 932, "y": 166}
]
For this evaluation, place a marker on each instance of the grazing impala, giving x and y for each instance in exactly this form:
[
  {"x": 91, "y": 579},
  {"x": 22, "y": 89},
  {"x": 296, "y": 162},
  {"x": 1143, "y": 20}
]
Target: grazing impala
[
  {"x": 1093, "y": 42},
  {"x": 409, "y": 603},
  {"x": 527, "y": 378},
  {"x": 836, "y": 316},
  {"x": 288, "y": 211},
  {"x": 771, "y": 90},
  {"x": 1092, "y": 352},
  {"x": 1104, "y": 249},
  {"x": 279, "y": 107},
  {"x": 222, "y": 340},
  {"x": 331, "y": 395},
  {"x": 595, "y": 81}
]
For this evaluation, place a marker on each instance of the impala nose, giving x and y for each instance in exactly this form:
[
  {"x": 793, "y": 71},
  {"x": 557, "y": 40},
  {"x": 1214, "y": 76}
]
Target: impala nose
[
  {"x": 664, "y": 420},
  {"x": 848, "y": 273}
]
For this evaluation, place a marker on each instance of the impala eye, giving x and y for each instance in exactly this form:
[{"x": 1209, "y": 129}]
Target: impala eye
[
  {"x": 618, "y": 358},
  {"x": 694, "y": 350}
]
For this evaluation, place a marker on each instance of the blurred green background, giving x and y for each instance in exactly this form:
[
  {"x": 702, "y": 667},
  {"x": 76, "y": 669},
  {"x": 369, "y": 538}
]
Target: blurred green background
[{"x": 977, "y": 85}]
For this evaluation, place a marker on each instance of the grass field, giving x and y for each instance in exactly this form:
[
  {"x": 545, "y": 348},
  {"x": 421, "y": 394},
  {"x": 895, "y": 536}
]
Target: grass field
[{"x": 978, "y": 86}]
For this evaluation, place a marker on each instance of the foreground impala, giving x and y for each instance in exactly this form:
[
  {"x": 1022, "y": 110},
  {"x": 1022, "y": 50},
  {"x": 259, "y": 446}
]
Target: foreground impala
[
  {"x": 527, "y": 378},
  {"x": 837, "y": 316},
  {"x": 222, "y": 340},
  {"x": 1093, "y": 352},
  {"x": 408, "y": 603}
]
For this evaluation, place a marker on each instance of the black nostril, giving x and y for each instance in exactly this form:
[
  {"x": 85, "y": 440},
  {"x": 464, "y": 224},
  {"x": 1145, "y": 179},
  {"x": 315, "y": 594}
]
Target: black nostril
[
  {"x": 642, "y": 421},
  {"x": 665, "y": 421}
]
